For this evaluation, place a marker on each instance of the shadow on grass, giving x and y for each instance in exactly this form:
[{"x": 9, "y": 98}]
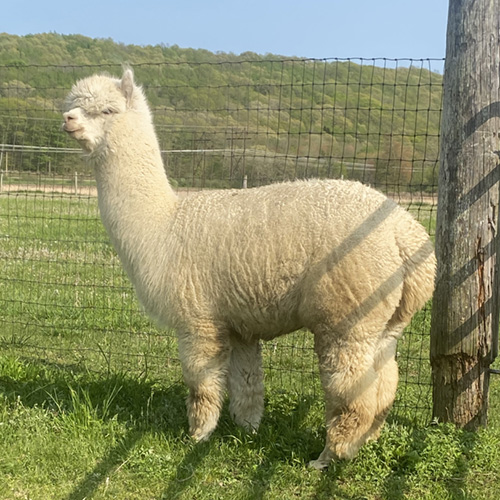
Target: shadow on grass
[
  {"x": 106, "y": 466},
  {"x": 292, "y": 433},
  {"x": 185, "y": 471},
  {"x": 81, "y": 398},
  {"x": 406, "y": 458},
  {"x": 283, "y": 437},
  {"x": 147, "y": 416},
  {"x": 146, "y": 407}
]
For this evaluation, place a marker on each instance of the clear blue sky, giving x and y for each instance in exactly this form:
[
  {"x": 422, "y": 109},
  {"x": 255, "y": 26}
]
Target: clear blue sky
[{"x": 303, "y": 28}]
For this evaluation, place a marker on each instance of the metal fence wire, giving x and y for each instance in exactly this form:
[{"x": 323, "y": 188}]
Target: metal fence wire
[{"x": 64, "y": 298}]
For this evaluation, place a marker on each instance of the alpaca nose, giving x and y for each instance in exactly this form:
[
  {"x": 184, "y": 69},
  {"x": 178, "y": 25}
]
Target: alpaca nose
[
  {"x": 68, "y": 117},
  {"x": 71, "y": 122}
]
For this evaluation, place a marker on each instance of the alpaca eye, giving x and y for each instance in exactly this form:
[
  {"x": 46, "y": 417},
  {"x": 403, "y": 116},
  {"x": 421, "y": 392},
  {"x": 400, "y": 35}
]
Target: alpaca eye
[{"x": 107, "y": 112}]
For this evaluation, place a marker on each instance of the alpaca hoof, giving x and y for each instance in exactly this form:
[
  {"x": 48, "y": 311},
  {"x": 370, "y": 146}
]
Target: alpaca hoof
[
  {"x": 250, "y": 426},
  {"x": 200, "y": 436},
  {"x": 247, "y": 418},
  {"x": 324, "y": 460},
  {"x": 319, "y": 464}
]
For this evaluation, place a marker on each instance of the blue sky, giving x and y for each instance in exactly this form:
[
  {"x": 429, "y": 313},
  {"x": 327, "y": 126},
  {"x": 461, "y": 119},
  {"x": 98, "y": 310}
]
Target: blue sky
[{"x": 305, "y": 28}]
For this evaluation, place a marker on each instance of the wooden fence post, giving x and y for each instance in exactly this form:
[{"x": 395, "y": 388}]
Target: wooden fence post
[{"x": 466, "y": 300}]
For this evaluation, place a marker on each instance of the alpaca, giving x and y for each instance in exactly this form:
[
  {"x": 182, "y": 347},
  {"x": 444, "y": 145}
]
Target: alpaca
[{"x": 227, "y": 269}]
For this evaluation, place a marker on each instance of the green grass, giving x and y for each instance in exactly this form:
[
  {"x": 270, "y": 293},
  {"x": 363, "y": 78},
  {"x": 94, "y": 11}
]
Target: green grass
[
  {"x": 67, "y": 434},
  {"x": 92, "y": 403}
]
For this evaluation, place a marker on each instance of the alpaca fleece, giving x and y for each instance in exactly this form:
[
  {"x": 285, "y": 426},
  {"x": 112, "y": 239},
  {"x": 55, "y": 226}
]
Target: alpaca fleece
[{"x": 228, "y": 269}]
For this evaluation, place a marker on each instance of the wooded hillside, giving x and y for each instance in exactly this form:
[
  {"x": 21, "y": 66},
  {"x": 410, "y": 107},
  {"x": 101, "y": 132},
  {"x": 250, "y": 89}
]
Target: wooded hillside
[{"x": 266, "y": 117}]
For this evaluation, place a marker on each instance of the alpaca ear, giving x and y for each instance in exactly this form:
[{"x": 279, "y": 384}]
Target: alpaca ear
[{"x": 127, "y": 85}]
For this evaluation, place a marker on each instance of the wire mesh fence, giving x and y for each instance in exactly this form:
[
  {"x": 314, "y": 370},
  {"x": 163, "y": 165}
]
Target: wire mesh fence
[{"x": 64, "y": 298}]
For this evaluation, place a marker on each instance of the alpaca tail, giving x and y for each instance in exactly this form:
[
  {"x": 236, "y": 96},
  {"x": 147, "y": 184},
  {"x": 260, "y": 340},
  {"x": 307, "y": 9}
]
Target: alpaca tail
[{"x": 419, "y": 263}]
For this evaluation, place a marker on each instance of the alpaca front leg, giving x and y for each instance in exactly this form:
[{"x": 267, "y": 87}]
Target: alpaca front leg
[
  {"x": 205, "y": 363},
  {"x": 245, "y": 383},
  {"x": 203, "y": 404}
]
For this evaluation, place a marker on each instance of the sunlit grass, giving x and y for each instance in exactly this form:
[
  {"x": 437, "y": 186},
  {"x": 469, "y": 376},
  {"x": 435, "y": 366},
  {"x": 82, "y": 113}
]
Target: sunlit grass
[
  {"x": 92, "y": 400},
  {"x": 70, "y": 434}
]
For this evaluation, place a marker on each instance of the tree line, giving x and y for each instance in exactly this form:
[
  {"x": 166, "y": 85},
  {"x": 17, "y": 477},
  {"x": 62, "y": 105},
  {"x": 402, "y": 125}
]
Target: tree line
[{"x": 222, "y": 116}]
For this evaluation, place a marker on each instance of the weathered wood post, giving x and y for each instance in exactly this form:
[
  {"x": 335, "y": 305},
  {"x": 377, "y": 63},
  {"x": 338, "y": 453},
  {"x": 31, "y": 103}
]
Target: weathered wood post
[{"x": 466, "y": 300}]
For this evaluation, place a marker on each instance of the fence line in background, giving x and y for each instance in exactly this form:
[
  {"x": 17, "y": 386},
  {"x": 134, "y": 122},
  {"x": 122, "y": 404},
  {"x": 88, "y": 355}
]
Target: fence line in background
[{"x": 63, "y": 295}]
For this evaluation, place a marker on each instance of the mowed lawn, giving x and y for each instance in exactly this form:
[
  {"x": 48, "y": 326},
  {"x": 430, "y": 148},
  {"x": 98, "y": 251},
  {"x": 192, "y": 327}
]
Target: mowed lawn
[{"x": 92, "y": 400}]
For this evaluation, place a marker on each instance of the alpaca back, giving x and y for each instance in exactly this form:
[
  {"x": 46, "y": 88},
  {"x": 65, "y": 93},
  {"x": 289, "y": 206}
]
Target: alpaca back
[{"x": 249, "y": 256}]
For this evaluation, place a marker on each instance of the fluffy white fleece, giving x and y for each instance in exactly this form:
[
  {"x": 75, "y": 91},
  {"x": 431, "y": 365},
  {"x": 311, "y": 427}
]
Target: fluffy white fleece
[{"x": 229, "y": 268}]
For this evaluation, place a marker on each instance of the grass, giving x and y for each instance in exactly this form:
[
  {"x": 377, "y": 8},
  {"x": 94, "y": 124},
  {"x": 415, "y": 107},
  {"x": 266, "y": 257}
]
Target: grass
[
  {"x": 74, "y": 435},
  {"x": 92, "y": 403}
]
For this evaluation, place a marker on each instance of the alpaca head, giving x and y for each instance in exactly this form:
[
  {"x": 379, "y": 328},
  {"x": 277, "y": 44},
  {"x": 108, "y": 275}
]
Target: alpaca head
[{"x": 95, "y": 102}]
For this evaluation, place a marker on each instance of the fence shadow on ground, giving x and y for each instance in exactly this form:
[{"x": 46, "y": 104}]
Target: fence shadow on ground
[
  {"x": 287, "y": 435},
  {"x": 138, "y": 403},
  {"x": 149, "y": 408},
  {"x": 280, "y": 438},
  {"x": 397, "y": 483}
]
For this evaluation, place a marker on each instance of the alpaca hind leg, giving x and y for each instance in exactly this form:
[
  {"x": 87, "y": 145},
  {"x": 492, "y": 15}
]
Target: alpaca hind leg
[
  {"x": 350, "y": 384},
  {"x": 387, "y": 380},
  {"x": 245, "y": 383},
  {"x": 205, "y": 363}
]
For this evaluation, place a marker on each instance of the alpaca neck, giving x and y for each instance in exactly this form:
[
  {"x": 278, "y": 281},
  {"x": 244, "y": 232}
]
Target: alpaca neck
[{"x": 136, "y": 200}]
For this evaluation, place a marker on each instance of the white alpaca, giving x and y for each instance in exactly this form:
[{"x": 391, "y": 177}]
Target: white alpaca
[{"x": 229, "y": 268}]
